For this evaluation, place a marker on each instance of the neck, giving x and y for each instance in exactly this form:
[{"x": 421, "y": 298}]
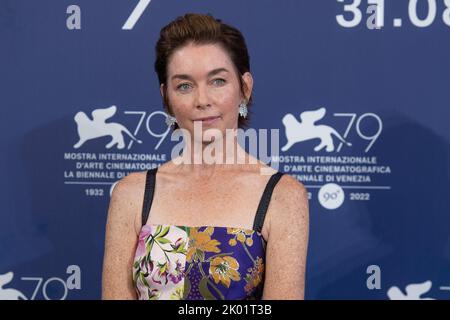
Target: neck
[{"x": 218, "y": 154}]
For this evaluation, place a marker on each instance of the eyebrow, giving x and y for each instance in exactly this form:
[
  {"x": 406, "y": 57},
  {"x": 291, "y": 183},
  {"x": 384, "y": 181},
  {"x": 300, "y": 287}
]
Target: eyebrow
[{"x": 188, "y": 77}]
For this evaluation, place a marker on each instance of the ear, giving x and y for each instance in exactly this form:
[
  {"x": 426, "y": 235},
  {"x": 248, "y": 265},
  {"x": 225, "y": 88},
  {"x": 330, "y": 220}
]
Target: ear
[
  {"x": 248, "y": 89},
  {"x": 161, "y": 90}
]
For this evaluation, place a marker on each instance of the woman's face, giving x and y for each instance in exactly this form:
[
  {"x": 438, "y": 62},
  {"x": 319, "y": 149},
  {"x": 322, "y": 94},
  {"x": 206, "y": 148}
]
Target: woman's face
[{"x": 202, "y": 82}]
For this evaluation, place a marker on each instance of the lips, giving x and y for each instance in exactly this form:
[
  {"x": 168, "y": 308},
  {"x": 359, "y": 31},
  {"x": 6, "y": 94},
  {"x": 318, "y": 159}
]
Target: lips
[{"x": 208, "y": 120}]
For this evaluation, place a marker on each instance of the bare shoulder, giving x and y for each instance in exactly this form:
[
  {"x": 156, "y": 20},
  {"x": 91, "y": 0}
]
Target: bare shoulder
[
  {"x": 121, "y": 237},
  {"x": 289, "y": 188},
  {"x": 126, "y": 199},
  {"x": 131, "y": 182},
  {"x": 129, "y": 187},
  {"x": 287, "y": 241},
  {"x": 289, "y": 205}
]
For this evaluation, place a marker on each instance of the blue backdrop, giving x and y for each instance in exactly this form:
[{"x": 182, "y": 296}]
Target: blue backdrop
[{"x": 372, "y": 73}]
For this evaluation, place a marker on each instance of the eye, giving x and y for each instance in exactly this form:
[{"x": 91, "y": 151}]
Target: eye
[
  {"x": 184, "y": 86},
  {"x": 219, "y": 81}
]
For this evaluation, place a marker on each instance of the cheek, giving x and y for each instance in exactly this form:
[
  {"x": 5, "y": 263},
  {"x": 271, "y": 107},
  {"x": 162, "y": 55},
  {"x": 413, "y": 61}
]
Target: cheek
[
  {"x": 227, "y": 99},
  {"x": 180, "y": 104}
]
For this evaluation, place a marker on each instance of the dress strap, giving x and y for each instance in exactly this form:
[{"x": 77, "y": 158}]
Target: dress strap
[
  {"x": 265, "y": 200},
  {"x": 148, "y": 194}
]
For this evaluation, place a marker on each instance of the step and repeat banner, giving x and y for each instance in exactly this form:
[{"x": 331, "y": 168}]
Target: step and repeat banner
[{"x": 358, "y": 89}]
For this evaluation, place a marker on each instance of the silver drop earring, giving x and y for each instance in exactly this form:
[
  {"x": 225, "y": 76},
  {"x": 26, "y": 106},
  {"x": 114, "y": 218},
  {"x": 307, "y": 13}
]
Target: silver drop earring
[
  {"x": 170, "y": 121},
  {"x": 243, "y": 111}
]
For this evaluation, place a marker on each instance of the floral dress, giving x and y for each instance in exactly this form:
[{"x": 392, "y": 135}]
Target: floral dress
[{"x": 200, "y": 263}]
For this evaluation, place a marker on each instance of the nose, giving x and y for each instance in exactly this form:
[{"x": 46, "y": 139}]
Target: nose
[{"x": 202, "y": 100}]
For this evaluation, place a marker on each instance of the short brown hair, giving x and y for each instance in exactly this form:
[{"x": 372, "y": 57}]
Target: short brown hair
[{"x": 202, "y": 29}]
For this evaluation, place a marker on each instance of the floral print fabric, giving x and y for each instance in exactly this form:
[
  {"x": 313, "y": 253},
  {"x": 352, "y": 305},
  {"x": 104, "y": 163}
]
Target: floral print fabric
[{"x": 195, "y": 263}]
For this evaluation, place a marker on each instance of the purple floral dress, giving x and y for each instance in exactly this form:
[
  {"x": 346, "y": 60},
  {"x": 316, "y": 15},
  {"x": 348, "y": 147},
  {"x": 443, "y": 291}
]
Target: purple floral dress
[
  {"x": 200, "y": 263},
  {"x": 195, "y": 263}
]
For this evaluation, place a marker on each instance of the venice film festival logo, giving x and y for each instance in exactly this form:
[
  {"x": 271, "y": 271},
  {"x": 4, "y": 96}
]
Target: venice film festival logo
[
  {"x": 324, "y": 165},
  {"x": 98, "y": 127},
  {"x": 53, "y": 288},
  {"x": 307, "y": 129},
  {"x": 88, "y": 163}
]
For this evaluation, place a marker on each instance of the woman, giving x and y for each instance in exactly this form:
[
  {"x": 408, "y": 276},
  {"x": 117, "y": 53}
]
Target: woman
[{"x": 206, "y": 230}]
